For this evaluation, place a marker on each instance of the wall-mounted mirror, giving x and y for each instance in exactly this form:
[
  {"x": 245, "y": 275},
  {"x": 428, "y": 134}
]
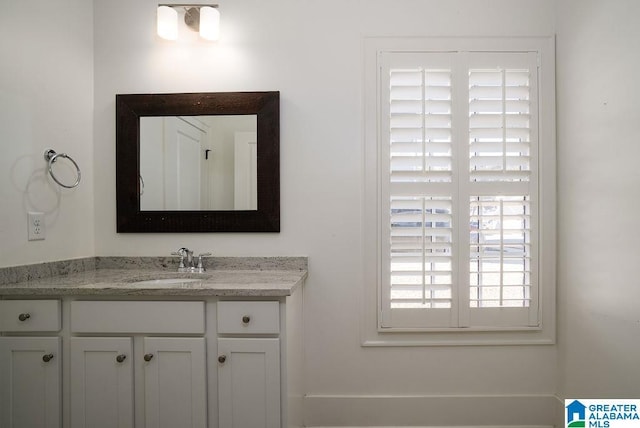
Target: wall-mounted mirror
[{"x": 198, "y": 162}]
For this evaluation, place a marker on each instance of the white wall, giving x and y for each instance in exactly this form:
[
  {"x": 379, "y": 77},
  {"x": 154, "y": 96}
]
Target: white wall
[
  {"x": 46, "y": 101},
  {"x": 311, "y": 52},
  {"x": 599, "y": 189}
]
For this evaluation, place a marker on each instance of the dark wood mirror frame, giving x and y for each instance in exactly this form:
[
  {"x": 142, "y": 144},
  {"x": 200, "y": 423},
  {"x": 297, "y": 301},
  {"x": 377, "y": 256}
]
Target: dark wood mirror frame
[{"x": 129, "y": 109}]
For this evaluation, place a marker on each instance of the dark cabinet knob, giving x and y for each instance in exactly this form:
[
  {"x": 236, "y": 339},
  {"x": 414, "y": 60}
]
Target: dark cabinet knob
[
  {"x": 120, "y": 358},
  {"x": 47, "y": 357},
  {"x": 148, "y": 357},
  {"x": 24, "y": 317},
  {"x": 246, "y": 319},
  {"x": 222, "y": 359}
]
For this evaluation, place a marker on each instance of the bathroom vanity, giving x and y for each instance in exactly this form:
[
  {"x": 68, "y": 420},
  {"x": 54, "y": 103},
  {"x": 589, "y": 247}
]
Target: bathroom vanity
[{"x": 135, "y": 344}]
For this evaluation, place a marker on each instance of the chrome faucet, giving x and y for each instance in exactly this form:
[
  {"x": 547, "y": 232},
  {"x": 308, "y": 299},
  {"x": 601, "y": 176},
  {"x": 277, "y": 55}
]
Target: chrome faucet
[{"x": 190, "y": 264}]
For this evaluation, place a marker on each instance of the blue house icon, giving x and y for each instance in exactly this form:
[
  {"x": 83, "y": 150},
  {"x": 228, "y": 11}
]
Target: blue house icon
[{"x": 574, "y": 409}]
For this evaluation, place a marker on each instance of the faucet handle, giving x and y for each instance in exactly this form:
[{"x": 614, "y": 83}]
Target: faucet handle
[
  {"x": 181, "y": 253},
  {"x": 200, "y": 265}
]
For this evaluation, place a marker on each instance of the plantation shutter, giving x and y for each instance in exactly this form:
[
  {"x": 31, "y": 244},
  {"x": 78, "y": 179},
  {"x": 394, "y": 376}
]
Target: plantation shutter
[
  {"x": 501, "y": 190},
  {"x": 419, "y": 188},
  {"x": 458, "y": 190}
]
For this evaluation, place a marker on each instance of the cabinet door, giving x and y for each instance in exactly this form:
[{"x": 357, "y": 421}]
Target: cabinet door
[
  {"x": 175, "y": 382},
  {"x": 30, "y": 382},
  {"x": 249, "y": 383},
  {"x": 101, "y": 382}
]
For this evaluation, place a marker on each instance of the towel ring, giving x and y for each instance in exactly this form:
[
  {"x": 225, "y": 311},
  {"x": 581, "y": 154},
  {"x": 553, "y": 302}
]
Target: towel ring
[{"x": 51, "y": 156}]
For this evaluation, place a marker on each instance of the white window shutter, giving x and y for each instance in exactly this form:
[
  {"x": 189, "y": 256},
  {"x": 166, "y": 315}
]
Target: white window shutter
[
  {"x": 418, "y": 191},
  {"x": 458, "y": 186},
  {"x": 502, "y": 190}
]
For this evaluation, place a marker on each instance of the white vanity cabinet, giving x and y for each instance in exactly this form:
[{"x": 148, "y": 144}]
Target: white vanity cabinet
[
  {"x": 167, "y": 373},
  {"x": 101, "y": 352},
  {"x": 30, "y": 365},
  {"x": 249, "y": 364}
]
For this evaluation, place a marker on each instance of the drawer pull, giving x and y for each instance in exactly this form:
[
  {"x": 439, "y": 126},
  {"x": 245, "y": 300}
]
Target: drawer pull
[
  {"x": 148, "y": 357},
  {"x": 24, "y": 317},
  {"x": 222, "y": 359},
  {"x": 47, "y": 357},
  {"x": 246, "y": 319},
  {"x": 120, "y": 358}
]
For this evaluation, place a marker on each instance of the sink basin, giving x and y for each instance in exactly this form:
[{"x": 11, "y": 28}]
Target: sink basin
[{"x": 166, "y": 281}]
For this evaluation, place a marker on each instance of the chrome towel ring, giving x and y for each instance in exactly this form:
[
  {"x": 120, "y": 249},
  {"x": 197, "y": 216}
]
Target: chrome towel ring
[{"x": 51, "y": 156}]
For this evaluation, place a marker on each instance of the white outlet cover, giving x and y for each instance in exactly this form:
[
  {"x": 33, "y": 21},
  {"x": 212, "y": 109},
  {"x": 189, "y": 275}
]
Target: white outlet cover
[{"x": 36, "y": 226}]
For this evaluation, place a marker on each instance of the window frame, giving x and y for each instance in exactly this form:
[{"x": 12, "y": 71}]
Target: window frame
[{"x": 372, "y": 331}]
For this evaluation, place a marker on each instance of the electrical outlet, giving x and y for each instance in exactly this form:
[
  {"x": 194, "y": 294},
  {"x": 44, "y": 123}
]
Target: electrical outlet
[{"x": 36, "y": 226}]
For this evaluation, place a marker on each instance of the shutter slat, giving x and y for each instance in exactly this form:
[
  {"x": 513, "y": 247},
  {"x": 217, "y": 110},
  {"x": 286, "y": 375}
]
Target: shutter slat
[
  {"x": 405, "y": 78},
  {"x": 398, "y": 106},
  {"x": 498, "y": 146},
  {"x": 411, "y": 177},
  {"x": 511, "y": 134},
  {"x": 412, "y": 163},
  {"x": 437, "y": 106},
  {"x": 500, "y": 176},
  {"x": 490, "y": 105},
  {"x": 496, "y": 162},
  {"x": 406, "y": 93}
]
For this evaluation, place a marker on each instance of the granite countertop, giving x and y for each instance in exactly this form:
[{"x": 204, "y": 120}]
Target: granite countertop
[{"x": 109, "y": 278}]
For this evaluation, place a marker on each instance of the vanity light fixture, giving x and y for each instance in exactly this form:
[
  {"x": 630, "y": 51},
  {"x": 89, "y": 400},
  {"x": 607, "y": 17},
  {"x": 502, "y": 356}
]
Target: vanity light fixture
[
  {"x": 167, "y": 22},
  {"x": 203, "y": 18}
]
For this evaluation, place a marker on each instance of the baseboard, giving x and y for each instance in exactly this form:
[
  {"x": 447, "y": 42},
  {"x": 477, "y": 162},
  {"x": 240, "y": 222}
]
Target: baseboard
[{"x": 430, "y": 411}]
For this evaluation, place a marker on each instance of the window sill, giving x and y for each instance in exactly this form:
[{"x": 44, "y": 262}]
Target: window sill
[{"x": 458, "y": 337}]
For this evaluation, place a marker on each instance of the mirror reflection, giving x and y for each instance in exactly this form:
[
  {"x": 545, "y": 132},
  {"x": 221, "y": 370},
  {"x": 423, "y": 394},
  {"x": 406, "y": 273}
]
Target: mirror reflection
[{"x": 198, "y": 163}]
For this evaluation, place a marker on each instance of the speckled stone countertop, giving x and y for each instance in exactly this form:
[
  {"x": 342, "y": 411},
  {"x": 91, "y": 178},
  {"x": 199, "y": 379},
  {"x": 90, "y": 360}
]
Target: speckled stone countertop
[{"x": 121, "y": 276}]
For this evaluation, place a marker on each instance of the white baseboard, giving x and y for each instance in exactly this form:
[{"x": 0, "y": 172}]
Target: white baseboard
[{"x": 430, "y": 411}]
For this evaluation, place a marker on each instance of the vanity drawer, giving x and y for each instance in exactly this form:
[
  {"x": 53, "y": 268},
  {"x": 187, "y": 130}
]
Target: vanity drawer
[
  {"x": 137, "y": 317},
  {"x": 29, "y": 315},
  {"x": 248, "y": 317}
]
